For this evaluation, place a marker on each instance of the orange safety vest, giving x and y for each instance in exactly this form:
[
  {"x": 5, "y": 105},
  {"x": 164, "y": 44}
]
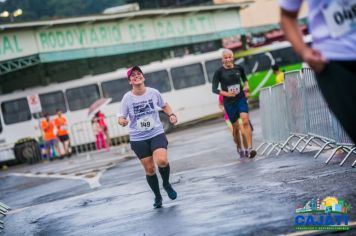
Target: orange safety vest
[
  {"x": 47, "y": 128},
  {"x": 61, "y": 123}
]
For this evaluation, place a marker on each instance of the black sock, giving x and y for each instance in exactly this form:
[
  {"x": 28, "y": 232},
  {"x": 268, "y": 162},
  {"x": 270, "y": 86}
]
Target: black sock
[
  {"x": 164, "y": 171},
  {"x": 153, "y": 183}
]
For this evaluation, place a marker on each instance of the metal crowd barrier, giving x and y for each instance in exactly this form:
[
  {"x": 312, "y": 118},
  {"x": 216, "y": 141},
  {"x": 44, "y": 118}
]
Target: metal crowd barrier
[
  {"x": 266, "y": 121},
  {"x": 294, "y": 116},
  {"x": 83, "y": 139},
  {"x": 275, "y": 128},
  {"x": 297, "y": 110},
  {"x": 3, "y": 210}
]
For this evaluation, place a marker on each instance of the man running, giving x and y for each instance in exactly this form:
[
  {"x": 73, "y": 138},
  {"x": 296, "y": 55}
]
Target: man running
[
  {"x": 229, "y": 77},
  {"x": 147, "y": 138}
]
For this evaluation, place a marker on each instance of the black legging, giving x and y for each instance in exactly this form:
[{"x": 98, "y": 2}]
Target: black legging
[{"x": 337, "y": 82}]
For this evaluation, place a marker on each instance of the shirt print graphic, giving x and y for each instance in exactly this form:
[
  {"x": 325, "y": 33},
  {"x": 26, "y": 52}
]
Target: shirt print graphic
[{"x": 143, "y": 108}]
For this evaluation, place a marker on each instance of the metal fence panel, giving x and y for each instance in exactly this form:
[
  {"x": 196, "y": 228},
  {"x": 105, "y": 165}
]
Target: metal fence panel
[
  {"x": 340, "y": 135},
  {"x": 266, "y": 115},
  {"x": 83, "y": 137},
  {"x": 319, "y": 113},
  {"x": 296, "y": 102},
  {"x": 298, "y": 109},
  {"x": 280, "y": 124}
]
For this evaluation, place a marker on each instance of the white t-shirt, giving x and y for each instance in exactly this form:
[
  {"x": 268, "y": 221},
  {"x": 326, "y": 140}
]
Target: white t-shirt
[
  {"x": 143, "y": 113},
  {"x": 333, "y": 34}
]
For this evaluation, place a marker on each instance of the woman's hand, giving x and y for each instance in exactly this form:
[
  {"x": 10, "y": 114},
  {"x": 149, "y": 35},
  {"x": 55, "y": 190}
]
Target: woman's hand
[
  {"x": 173, "y": 119},
  {"x": 122, "y": 121}
]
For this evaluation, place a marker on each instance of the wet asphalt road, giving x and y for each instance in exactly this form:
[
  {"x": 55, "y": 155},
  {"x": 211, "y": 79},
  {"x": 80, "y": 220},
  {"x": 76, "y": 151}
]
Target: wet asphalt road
[{"x": 218, "y": 194}]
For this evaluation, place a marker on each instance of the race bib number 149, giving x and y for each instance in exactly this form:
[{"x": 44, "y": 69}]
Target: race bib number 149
[{"x": 145, "y": 124}]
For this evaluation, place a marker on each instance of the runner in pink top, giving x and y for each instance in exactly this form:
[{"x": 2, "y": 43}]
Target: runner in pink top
[{"x": 226, "y": 117}]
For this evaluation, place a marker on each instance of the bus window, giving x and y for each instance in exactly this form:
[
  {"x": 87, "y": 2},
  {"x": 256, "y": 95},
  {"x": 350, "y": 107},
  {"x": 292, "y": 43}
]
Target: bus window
[
  {"x": 15, "y": 111},
  {"x": 82, "y": 97},
  {"x": 115, "y": 89},
  {"x": 51, "y": 102},
  {"x": 158, "y": 80},
  {"x": 243, "y": 65},
  {"x": 258, "y": 62},
  {"x": 187, "y": 76},
  {"x": 211, "y": 67},
  {"x": 286, "y": 56}
]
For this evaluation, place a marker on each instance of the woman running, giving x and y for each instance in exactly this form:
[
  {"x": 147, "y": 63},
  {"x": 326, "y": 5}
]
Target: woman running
[{"x": 147, "y": 137}]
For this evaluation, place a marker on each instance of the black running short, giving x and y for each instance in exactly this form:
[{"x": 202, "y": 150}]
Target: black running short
[
  {"x": 146, "y": 147},
  {"x": 63, "y": 138}
]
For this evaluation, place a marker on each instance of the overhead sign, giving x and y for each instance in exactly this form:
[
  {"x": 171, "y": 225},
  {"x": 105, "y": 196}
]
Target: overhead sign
[
  {"x": 137, "y": 30},
  {"x": 103, "y": 38},
  {"x": 17, "y": 44},
  {"x": 34, "y": 103}
]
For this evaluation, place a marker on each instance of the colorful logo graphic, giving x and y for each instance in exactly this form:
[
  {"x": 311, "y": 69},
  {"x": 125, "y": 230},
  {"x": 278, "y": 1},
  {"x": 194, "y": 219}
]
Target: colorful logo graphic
[{"x": 327, "y": 214}]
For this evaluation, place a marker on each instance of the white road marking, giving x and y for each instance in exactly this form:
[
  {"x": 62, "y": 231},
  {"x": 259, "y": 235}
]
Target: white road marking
[{"x": 93, "y": 182}]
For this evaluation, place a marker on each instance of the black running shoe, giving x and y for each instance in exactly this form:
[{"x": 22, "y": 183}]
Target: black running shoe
[
  {"x": 157, "y": 203},
  {"x": 253, "y": 153},
  {"x": 170, "y": 191}
]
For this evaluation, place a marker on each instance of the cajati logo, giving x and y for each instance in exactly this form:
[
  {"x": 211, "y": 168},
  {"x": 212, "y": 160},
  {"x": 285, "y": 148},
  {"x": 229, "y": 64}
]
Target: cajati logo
[{"x": 327, "y": 214}]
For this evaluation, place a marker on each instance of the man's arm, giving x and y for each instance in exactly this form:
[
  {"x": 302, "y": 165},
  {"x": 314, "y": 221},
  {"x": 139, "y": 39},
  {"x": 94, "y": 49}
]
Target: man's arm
[
  {"x": 246, "y": 88},
  {"x": 292, "y": 32},
  {"x": 215, "y": 82}
]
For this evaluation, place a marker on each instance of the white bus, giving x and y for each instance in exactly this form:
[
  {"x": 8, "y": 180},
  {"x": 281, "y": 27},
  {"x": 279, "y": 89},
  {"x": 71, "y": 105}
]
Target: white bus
[{"x": 184, "y": 82}]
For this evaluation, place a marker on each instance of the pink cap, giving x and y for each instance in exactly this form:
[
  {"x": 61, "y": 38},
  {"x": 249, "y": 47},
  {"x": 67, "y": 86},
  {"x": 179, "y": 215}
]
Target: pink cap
[{"x": 131, "y": 69}]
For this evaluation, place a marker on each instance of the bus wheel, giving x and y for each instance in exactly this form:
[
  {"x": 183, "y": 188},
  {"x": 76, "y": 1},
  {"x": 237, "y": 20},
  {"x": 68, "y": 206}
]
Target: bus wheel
[
  {"x": 27, "y": 151},
  {"x": 167, "y": 126}
]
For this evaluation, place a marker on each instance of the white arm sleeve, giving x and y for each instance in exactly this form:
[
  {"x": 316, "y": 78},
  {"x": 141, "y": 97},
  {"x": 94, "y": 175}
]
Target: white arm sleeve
[{"x": 290, "y": 5}]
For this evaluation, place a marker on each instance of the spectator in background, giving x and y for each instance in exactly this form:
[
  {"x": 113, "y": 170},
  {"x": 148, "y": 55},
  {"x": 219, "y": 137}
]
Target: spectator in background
[
  {"x": 49, "y": 137},
  {"x": 99, "y": 134},
  {"x": 279, "y": 74},
  {"x": 101, "y": 119},
  {"x": 333, "y": 55},
  {"x": 62, "y": 132}
]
